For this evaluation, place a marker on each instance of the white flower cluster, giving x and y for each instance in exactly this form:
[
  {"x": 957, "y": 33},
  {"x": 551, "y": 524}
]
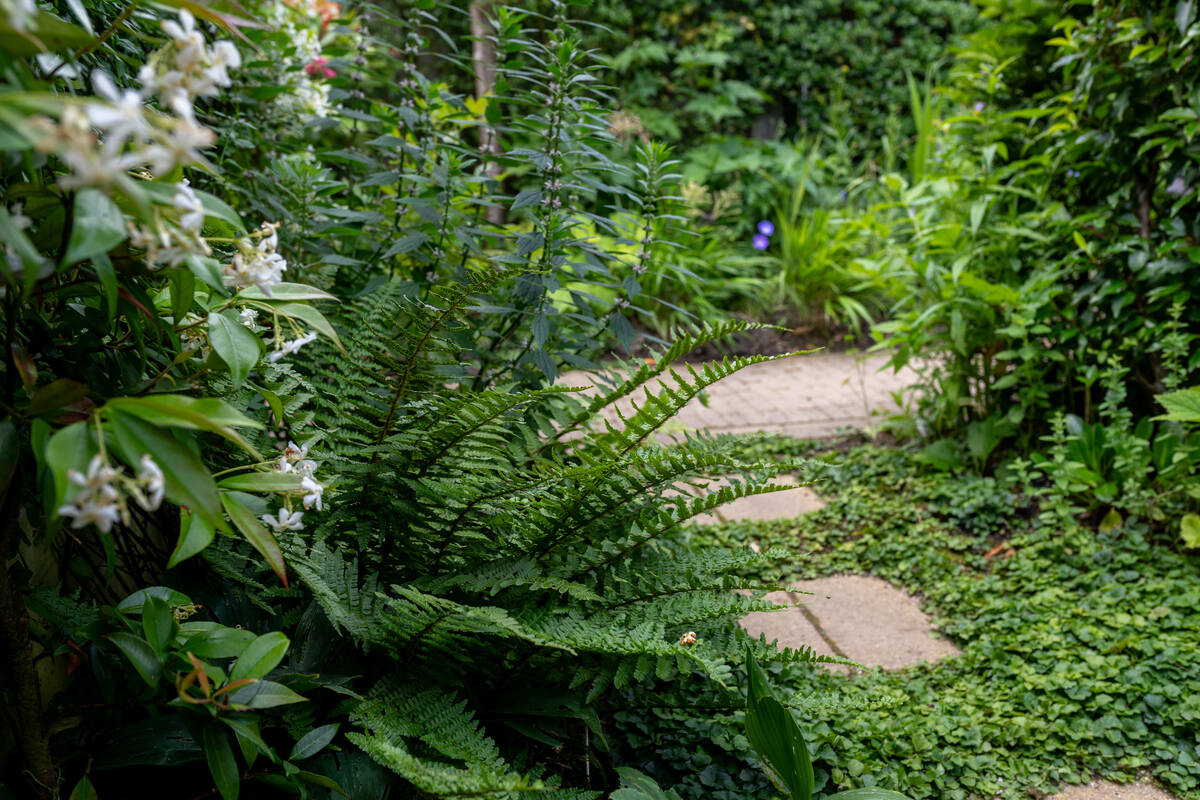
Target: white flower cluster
[
  {"x": 171, "y": 244},
  {"x": 257, "y": 263},
  {"x": 290, "y": 346},
  {"x": 98, "y": 501},
  {"x": 295, "y": 460},
  {"x": 307, "y": 98},
  {"x": 185, "y": 69}
]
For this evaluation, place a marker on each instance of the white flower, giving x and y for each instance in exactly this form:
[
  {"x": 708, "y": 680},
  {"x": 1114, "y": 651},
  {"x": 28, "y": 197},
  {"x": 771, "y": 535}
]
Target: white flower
[
  {"x": 151, "y": 477},
  {"x": 314, "y": 491},
  {"x": 97, "y": 501},
  {"x": 190, "y": 50},
  {"x": 224, "y": 57},
  {"x": 52, "y": 64},
  {"x": 20, "y": 13},
  {"x": 103, "y": 514},
  {"x": 98, "y": 479},
  {"x": 182, "y": 145},
  {"x": 285, "y": 521},
  {"x": 122, "y": 118},
  {"x": 1178, "y": 187},
  {"x": 191, "y": 210},
  {"x": 290, "y": 347},
  {"x": 249, "y": 318},
  {"x": 17, "y": 216},
  {"x": 257, "y": 264}
]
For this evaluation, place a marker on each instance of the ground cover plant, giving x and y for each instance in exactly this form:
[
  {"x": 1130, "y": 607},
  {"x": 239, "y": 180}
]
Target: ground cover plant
[{"x": 1078, "y": 655}]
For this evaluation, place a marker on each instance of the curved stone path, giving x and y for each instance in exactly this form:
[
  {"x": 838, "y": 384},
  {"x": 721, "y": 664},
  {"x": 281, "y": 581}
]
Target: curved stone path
[{"x": 859, "y": 617}]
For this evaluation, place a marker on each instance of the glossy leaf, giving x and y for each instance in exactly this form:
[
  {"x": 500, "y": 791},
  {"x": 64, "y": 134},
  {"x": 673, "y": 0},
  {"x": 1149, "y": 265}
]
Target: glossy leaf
[
  {"x": 158, "y": 624},
  {"x": 776, "y": 738},
  {"x": 265, "y": 694},
  {"x": 187, "y": 481},
  {"x": 98, "y": 227},
  {"x": 260, "y": 656},
  {"x": 194, "y": 413},
  {"x": 285, "y": 292},
  {"x": 140, "y": 654},
  {"x": 222, "y": 763},
  {"x": 235, "y": 344},
  {"x": 313, "y": 742},
  {"x": 194, "y": 535},
  {"x": 257, "y": 534}
]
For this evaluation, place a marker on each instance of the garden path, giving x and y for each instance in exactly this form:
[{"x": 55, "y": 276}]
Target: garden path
[{"x": 808, "y": 396}]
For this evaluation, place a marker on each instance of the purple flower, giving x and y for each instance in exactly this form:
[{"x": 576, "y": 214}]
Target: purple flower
[
  {"x": 842, "y": 194},
  {"x": 979, "y": 106},
  {"x": 761, "y": 242},
  {"x": 766, "y": 228}
]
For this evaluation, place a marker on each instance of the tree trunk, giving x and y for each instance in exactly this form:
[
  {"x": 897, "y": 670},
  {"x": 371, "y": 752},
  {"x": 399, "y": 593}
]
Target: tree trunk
[{"x": 483, "y": 58}]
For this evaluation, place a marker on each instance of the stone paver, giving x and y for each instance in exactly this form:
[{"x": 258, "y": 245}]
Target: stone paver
[
  {"x": 809, "y": 396},
  {"x": 776, "y": 505},
  {"x": 1103, "y": 790},
  {"x": 858, "y": 617}
]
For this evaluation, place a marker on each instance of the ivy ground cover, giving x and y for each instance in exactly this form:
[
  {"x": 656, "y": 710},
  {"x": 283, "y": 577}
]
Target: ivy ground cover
[{"x": 1079, "y": 654}]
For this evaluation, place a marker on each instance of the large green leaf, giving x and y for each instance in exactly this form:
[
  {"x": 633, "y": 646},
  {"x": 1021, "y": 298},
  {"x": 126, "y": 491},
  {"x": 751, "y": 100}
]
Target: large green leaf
[
  {"x": 260, "y": 657},
  {"x": 235, "y": 344},
  {"x": 1181, "y": 406},
  {"x": 256, "y": 533},
  {"x": 222, "y": 763},
  {"x": 140, "y": 654},
  {"x": 265, "y": 694},
  {"x": 49, "y": 34},
  {"x": 158, "y": 624},
  {"x": 262, "y": 482},
  {"x": 68, "y": 449},
  {"x": 868, "y": 794},
  {"x": 194, "y": 535},
  {"x": 315, "y": 319},
  {"x": 187, "y": 481},
  {"x": 284, "y": 292},
  {"x": 213, "y": 640},
  {"x": 195, "y": 413},
  {"x": 313, "y": 742},
  {"x": 98, "y": 227},
  {"x": 776, "y": 738}
]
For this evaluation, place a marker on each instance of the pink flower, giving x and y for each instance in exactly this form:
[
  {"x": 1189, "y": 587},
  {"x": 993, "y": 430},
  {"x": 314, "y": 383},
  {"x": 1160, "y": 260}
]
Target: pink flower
[{"x": 318, "y": 68}]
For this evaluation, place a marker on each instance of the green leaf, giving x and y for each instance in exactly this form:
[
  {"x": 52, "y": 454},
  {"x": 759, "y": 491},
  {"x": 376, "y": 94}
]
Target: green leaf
[
  {"x": 265, "y": 694},
  {"x": 50, "y": 34},
  {"x": 55, "y": 395},
  {"x": 776, "y": 738},
  {"x": 315, "y": 319},
  {"x": 313, "y": 742},
  {"x": 262, "y": 482},
  {"x": 194, "y": 535},
  {"x": 183, "y": 293},
  {"x": 108, "y": 283},
  {"x": 134, "y": 603},
  {"x": 212, "y": 640},
  {"x": 194, "y": 413},
  {"x": 284, "y": 292},
  {"x": 249, "y": 738},
  {"x": 867, "y": 794},
  {"x": 140, "y": 654},
  {"x": 187, "y": 481},
  {"x": 221, "y": 761},
  {"x": 158, "y": 624},
  {"x": 68, "y": 449},
  {"x": 1189, "y": 531},
  {"x": 98, "y": 226},
  {"x": 1181, "y": 406},
  {"x": 207, "y": 270},
  {"x": 257, "y": 534},
  {"x": 235, "y": 344},
  {"x": 262, "y": 656},
  {"x": 84, "y": 790}
]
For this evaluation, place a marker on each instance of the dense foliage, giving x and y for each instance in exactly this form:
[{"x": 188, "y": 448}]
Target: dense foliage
[
  {"x": 386, "y": 558},
  {"x": 1078, "y": 648},
  {"x": 689, "y": 70}
]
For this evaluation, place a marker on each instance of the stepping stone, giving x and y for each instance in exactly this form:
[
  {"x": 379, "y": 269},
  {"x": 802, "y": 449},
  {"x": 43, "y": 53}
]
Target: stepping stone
[
  {"x": 776, "y": 505},
  {"x": 859, "y": 617},
  {"x": 1104, "y": 790}
]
